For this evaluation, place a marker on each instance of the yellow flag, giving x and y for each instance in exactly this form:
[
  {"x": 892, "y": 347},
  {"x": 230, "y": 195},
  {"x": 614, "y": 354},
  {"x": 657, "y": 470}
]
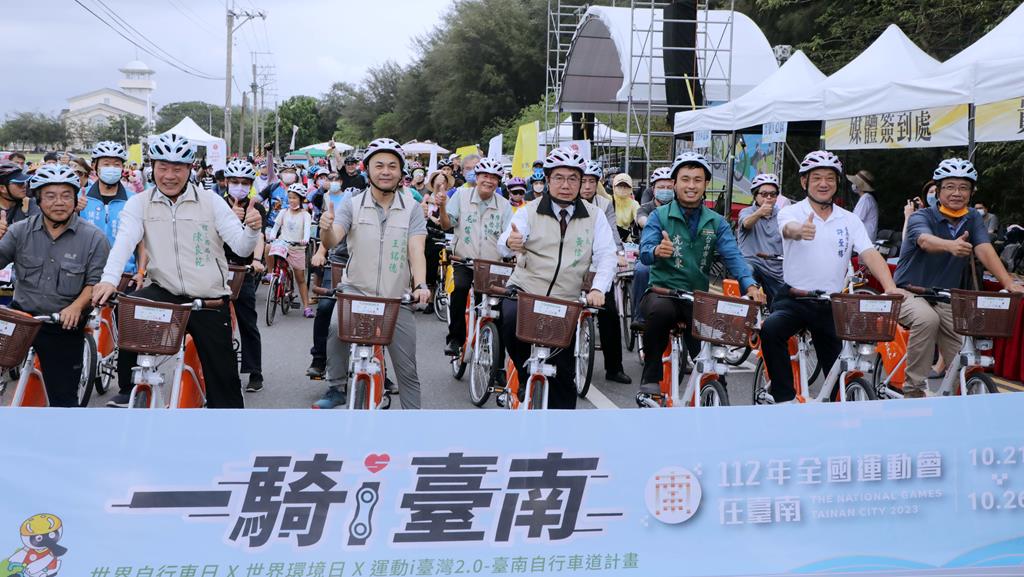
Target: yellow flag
[
  {"x": 462, "y": 151},
  {"x": 526, "y": 150},
  {"x": 135, "y": 153}
]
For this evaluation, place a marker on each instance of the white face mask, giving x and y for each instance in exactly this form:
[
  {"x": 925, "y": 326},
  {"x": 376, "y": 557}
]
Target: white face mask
[
  {"x": 981, "y": 211},
  {"x": 238, "y": 191},
  {"x": 288, "y": 178}
]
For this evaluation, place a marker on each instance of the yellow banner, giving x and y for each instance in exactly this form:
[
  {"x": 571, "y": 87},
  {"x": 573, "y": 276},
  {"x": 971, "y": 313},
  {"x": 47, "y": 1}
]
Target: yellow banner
[
  {"x": 135, "y": 153},
  {"x": 1001, "y": 121},
  {"x": 926, "y": 128},
  {"x": 463, "y": 151},
  {"x": 526, "y": 150}
]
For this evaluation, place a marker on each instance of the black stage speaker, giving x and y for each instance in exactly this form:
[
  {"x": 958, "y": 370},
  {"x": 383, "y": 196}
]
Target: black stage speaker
[{"x": 681, "y": 94}]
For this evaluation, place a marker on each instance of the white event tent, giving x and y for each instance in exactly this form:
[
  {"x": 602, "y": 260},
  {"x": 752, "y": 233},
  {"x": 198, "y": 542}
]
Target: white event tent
[
  {"x": 604, "y": 135},
  {"x": 598, "y": 67},
  {"x": 892, "y": 56}
]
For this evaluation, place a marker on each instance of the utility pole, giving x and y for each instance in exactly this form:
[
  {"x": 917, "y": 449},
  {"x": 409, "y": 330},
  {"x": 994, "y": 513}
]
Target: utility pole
[
  {"x": 255, "y": 107},
  {"x": 263, "y": 104},
  {"x": 277, "y": 127},
  {"x": 241, "y": 124},
  {"x": 243, "y": 16}
]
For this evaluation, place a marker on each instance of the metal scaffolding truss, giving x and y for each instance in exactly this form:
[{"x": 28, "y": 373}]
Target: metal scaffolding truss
[{"x": 563, "y": 18}]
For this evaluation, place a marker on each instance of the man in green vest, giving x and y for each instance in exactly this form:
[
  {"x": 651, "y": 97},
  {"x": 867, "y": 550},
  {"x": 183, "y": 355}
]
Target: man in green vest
[
  {"x": 556, "y": 239},
  {"x": 680, "y": 242}
]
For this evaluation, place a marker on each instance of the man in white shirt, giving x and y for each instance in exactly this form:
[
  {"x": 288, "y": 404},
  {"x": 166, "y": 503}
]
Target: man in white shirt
[
  {"x": 184, "y": 229},
  {"x": 557, "y": 239},
  {"x": 818, "y": 240}
]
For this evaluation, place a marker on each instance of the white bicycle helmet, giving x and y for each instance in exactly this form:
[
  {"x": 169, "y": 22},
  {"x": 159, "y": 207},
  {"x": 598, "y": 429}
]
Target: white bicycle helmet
[
  {"x": 109, "y": 149},
  {"x": 298, "y": 189},
  {"x": 239, "y": 168},
  {"x": 663, "y": 173},
  {"x": 956, "y": 168},
  {"x": 384, "y": 145},
  {"x": 352, "y": 191},
  {"x": 172, "y": 148},
  {"x": 289, "y": 166},
  {"x": 55, "y": 174},
  {"x": 489, "y": 165},
  {"x": 690, "y": 158},
  {"x": 594, "y": 169},
  {"x": 560, "y": 158},
  {"x": 762, "y": 179},
  {"x": 821, "y": 159}
]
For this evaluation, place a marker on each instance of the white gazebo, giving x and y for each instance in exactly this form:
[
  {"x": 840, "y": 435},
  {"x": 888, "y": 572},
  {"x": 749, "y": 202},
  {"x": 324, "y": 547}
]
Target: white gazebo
[{"x": 425, "y": 147}]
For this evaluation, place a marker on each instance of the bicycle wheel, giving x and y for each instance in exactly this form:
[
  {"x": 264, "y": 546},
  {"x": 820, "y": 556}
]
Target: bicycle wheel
[
  {"x": 585, "y": 359},
  {"x": 458, "y": 365},
  {"x": 90, "y": 360},
  {"x": 762, "y": 385},
  {"x": 857, "y": 389},
  {"x": 440, "y": 303},
  {"x": 286, "y": 294},
  {"x": 485, "y": 364},
  {"x": 142, "y": 398},
  {"x": 625, "y": 310},
  {"x": 359, "y": 391},
  {"x": 271, "y": 302},
  {"x": 105, "y": 374},
  {"x": 813, "y": 369},
  {"x": 714, "y": 394},
  {"x": 981, "y": 384}
]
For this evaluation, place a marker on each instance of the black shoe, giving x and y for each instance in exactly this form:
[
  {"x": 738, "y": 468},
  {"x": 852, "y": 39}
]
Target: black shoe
[
  {"x": 451, "y": 350},
  {"x": 316, "y": 370},
  {"x": 255, "y": 383},
  {"x": 618, "y": 377},
  {"x": 390, "y": 387},
  {"x": 119, "y": 401},
  {"x": 636, "y": 326}
]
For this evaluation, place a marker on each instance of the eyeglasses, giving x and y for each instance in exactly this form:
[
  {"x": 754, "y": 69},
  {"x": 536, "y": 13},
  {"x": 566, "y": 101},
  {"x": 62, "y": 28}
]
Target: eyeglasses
[
  {"x": 64, "y": 196},
  {"x": 768, "y": 194},
  {"x": 955, "y": 188},
  {"x": 561, "y": 179}
]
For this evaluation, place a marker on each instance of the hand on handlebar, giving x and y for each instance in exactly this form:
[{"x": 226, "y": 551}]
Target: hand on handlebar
[
  {"x": 421, "y": 296},
  {"x": 595, "y": 298},
  {"x": 70, "y": 316},
  {"x": 757, "y": 295},
  {"x": 102, "y": 292}
]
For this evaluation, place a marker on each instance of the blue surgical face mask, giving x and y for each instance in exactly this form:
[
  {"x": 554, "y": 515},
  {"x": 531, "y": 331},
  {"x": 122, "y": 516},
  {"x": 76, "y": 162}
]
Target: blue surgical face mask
[
  {"x": 932, "y": 200},
  {"x": 664, "y": 195},
  {"x": 470, "y": 175},
  {"x": 110, "y": 174},
  {"x": 334, "y": 187}
]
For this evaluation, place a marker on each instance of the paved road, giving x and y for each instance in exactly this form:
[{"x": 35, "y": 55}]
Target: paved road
[{"x": 286, "y": 356}]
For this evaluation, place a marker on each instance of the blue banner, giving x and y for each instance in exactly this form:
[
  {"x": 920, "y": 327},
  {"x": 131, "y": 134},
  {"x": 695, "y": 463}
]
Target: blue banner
[{"x": 933, "y": 486}]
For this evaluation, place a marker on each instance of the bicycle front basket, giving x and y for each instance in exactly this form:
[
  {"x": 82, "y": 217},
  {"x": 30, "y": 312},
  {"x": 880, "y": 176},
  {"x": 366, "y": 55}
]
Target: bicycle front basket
[
  {"x": 545, "y": 321},
  {"x": 984, "y": 314},
  {"x": 490, "y": 273},
  {"x": 365, "y": 320},
  {"x": 722, "y": 320},
  {"x": 866, "y": 318},
  {"x": 149, "y": 327},
  {"x": 17, "y": 332}
]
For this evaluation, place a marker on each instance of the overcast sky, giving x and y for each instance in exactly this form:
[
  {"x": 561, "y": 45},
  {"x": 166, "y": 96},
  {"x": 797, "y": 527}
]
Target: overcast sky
[{"x": 62, "y": 50}]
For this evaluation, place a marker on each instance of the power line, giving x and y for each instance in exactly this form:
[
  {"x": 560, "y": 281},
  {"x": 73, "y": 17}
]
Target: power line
[
  {"x": 187, "y": 13},
  {"x": 168, "y": 59}
]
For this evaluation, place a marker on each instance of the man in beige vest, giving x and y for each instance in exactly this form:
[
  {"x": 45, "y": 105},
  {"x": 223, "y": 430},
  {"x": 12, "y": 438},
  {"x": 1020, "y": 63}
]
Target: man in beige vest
[
  {"x": 386, "y": 233},
  {"x": 557, "y": 239},
  {"x": 184, "y": 229},
  {"x": 478, "y": 217}
]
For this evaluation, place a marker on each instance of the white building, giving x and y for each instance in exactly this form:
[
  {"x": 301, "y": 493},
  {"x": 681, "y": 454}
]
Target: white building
[{"x": 134, "y": 97}]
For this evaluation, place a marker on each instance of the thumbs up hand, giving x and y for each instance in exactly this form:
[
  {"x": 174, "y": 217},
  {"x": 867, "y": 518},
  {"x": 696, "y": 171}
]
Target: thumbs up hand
[
  {"x": 81, "y": 202},
  {"x": 961, "y": 247},
  {"x": 807, "y": 229},
  {"x": 665, "y": 248},
  {"x": 253, "y": 219},
  {"x": 239, "y": 209},
  {"x": 3, "y": 223},
  {"x": 516, "y": 241},
  {"x": 327, "y": 216}
]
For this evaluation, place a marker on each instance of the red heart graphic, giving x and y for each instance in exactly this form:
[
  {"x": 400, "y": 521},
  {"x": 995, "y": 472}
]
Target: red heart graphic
[{"x": 375, "y": 463}]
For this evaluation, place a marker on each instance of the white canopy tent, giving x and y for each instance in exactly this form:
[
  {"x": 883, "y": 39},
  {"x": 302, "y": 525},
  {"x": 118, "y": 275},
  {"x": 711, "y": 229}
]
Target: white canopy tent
[
  {"x": 796, "y": 72},
  {"x": 604, "y": 135},
  {"x": 325, "y": 146},
  {"x": 216, "y": 152},
  {"x": 425, "y": 147},
  {"x": 890, "y": 57},
  {"x": 597, "y": 69},
  {"x": 990, "y": 70}
]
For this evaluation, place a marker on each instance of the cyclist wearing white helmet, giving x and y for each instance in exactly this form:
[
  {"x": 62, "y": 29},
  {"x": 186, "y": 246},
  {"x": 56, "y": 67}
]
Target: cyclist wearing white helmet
[
  {"x": 608, "y": 317},
  {"x": 58, "y": 258},
  {"x": 819, "y": 239},
  {"x": 239, "y": 175},
  {"x": 662, "y": 192},
  {"x": 275, "y": 195},
  {"x": 293, "y": 227},
  {"x": 184, "y": 229},
  {"x": 937, "y": 247},
  {"x": 106, "y": 198},
  {"x": 680, "y": 242},
  {"x": 558, "y": 239},
  {"x": 758, "y": 233},
  {"x": 15, "y": 203},
  {"x": 477, "y": 216},
  {"x": 386, "y": 233}
]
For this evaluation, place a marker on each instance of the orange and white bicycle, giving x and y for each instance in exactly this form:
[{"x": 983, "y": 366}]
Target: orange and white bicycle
[{"x": 18, "y": 359}]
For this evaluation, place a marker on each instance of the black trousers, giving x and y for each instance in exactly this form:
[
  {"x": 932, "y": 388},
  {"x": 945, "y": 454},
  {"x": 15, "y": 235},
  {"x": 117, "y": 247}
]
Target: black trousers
[
  {"x": 790, "y": 316},
  {"x": 610, "y": 328},
  {"x": 60, "y": 359},
  {"x": 324, "y": 317},
  {"x": 663, "y": 314},
  {"x": 248, "y": 327},
  {"x": 457, "y": 304},
  {"x": 562, "y": 386},
  {"x": 211, "y": 331}
]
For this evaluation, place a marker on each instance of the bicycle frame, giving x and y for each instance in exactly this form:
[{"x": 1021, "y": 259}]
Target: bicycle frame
[
  {"x": 850, "y": 365},
  {"x": 367, "y": 367},
  {"x": 540, "y": 371},
  {"x": 30, "y": 390},
  {"x": 187, "y": 387},
  {"x": 706, "y": 367}
]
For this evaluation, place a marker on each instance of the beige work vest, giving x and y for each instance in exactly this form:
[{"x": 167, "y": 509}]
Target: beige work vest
[
  {"x": 476, "y": 235},
  {"x": 378, "y": 263},
  {"x": 552, "y": 265},
  {"x": 186, "y": 253}
]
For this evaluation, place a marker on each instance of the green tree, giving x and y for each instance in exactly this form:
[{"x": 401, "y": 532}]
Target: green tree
[
  {"x": 301, "y": 111},
  {"x": 114, "y": 129},
  {"x": 209, "y": 116}
]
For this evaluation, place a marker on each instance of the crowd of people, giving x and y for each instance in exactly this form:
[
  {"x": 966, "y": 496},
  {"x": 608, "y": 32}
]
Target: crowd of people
[{"x": 74, "y": 226}]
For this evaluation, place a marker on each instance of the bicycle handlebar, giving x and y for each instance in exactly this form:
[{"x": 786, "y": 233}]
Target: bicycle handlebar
[
  {"x": 814, "y": 295},
  {"x": 672, "y": 294},
  {"x": 194, "y": 305}
]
